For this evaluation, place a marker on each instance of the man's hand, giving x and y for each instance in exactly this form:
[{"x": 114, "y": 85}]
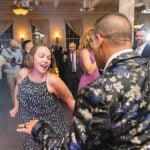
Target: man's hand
[{"x": 4, "y": 66}]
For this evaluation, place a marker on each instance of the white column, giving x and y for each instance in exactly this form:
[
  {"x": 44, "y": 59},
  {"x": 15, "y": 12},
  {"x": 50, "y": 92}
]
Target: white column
[{"x": 127, "y": 7}]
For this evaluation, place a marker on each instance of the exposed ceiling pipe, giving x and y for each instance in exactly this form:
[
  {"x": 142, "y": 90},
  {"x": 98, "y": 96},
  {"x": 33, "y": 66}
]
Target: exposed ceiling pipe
[
  {"x": 57, "y": 3},
  {"x": 147, "y": 4},
  {"x": 139, "y": 3},
  {"x": 94, "y": 3},
  {"x": 86, "y": 6}
]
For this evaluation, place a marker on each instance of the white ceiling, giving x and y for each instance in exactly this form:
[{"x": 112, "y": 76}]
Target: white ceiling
[
  {"x": 66, "y": 6},
  {"x": 71, "y": 6}
]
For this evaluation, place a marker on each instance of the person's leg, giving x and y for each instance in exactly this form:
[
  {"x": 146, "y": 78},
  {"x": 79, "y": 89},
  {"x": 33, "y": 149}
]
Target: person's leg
[
  {"x": 75, "y": 85},
  {"x": 11, "y": 83}
]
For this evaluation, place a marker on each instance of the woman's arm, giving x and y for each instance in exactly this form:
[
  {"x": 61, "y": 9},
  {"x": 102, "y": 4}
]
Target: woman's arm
[
  {"x": 14, "y": 110},
  {"x": 88, "y": 66},
  {"x": 58, "y": 87}
]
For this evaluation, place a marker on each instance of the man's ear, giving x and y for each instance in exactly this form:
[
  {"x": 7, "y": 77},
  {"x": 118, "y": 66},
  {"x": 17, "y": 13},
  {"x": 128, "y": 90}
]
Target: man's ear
[{"x": 100, "y": 39}]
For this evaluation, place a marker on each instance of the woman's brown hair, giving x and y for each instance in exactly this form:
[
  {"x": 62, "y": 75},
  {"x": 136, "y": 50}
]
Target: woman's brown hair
[
  {"x": 86, "y": 41},
  {"x": 30, "y": 57}
]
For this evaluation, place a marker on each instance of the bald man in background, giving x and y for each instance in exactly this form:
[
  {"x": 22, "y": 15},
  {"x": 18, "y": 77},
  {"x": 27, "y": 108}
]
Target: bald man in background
[
  {"x": 71, "y": 69},
  {"x": 13, "y": 56}
]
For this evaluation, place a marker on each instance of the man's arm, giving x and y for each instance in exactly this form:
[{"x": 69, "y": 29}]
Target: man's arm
[
  {"x": 6, "y": 55},
  {"x": 91, "y": 124}
]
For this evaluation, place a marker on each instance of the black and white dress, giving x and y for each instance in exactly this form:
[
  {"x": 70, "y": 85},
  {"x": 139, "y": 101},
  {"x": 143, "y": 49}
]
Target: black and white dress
[{"x": 35, "y": 102}]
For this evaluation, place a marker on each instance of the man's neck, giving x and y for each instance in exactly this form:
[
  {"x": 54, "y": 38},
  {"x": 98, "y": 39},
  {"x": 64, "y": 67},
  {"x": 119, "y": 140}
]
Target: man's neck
[
  {"x": 13, "y": 49},
  {"x": 141, "y": 44}
]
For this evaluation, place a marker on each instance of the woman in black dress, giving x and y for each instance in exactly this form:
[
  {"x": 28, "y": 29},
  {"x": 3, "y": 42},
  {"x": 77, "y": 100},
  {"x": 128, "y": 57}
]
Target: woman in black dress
[{"x": 36, "y": 95}]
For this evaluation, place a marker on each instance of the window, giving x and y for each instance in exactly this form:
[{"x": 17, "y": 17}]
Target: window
[
  {"x": 71, "y": 36},
  {"x": 6, "y": 37},
  {"x": 37, "y": 36}
]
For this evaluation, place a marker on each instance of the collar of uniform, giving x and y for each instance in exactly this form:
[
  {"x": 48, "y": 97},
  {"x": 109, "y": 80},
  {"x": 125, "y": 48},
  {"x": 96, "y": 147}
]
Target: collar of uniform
[{"x": 114, "y": 56}]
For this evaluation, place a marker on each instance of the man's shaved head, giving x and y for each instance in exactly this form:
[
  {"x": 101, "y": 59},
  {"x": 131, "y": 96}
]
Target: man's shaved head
[
  {"x": 115, "y": 26},
  {"x": 112, "y": 34}
]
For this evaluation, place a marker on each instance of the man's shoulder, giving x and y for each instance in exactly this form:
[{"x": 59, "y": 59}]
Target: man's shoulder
[
  {"x": 2, "y": 58},
  {"x": 5, "y": 49},
  {"x": 148, "y": 45},
  {"x": 5, "y": 52}
]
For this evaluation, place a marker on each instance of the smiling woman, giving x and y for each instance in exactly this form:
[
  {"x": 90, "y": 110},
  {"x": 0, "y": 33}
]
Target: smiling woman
[
  {"x": 38, "y": 93},
  {"x": 39, "y": 53}
]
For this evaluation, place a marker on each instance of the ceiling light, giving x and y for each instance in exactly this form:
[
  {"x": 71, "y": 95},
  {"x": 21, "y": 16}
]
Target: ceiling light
[
  {"x": 86, "y": 9},
  {"x": 138, "y": 26},
  {"x": 145, "y": 11},
  {"x": 20, "y": 11}
]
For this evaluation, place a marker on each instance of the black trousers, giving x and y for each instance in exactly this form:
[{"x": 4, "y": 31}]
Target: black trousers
[{"x": 72, "y": 84}]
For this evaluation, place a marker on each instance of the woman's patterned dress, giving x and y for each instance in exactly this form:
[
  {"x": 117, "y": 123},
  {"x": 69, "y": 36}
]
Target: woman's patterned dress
[{"x": 35, "y": 102}]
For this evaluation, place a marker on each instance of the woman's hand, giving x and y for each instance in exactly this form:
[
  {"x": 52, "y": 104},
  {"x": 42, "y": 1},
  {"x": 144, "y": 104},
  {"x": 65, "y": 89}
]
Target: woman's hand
[
  {"x": 26, "y": 127},
  {"x": 13, "y": 112}
]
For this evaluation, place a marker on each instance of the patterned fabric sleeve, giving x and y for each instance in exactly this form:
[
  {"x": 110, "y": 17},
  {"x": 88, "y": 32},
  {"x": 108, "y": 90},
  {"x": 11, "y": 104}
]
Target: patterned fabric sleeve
[
  {"x": 91, "y": 125},
  {"x": 44, "y": 134}
]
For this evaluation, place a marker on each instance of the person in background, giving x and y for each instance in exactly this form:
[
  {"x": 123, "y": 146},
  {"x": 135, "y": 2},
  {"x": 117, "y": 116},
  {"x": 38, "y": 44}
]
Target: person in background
[
  {"x": 113, "y": 112},
  {"x": 72, "y": 71},
  {"x": 53, "y": 67},
  {"x": 56, "y": 52},
  {"x": 2, "y": 65},
  {"x": 26, "y": 46},
  {"x": 143, "y": 47},
  {"x": 64, "y": 56},
  {"x": 38, "y": 95},
  {"x": 60, "y": 62},
  {"x": 14, "y": 58},
  {"x": 87, "y": 60}
]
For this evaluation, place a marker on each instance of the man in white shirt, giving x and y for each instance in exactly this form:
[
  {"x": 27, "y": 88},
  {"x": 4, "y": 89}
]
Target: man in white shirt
[
  {"x": 72, "y": 70},
  {"x": 143, "y": 48},
  {"x": 13, "y": 56}
]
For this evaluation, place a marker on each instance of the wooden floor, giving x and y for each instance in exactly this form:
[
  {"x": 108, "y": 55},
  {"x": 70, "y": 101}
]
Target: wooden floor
[{"x": 9, "y": 138}]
